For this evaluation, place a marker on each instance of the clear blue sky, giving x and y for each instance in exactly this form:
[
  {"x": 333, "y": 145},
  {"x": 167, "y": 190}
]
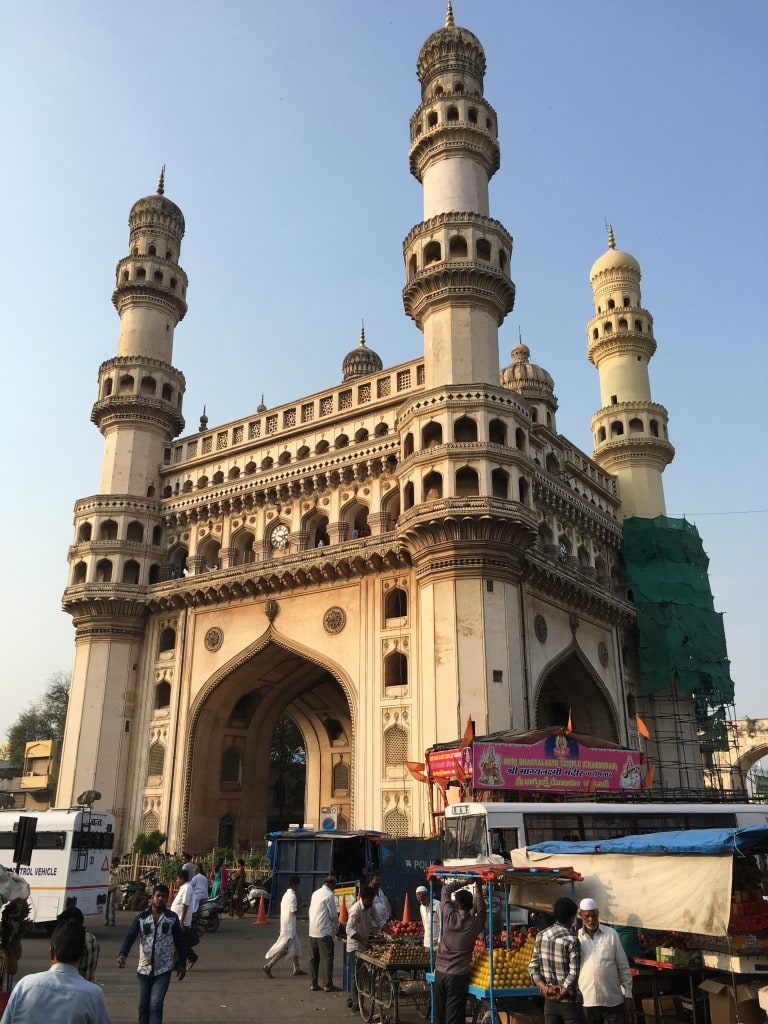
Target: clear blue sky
[{"x": 284, "y": 128}]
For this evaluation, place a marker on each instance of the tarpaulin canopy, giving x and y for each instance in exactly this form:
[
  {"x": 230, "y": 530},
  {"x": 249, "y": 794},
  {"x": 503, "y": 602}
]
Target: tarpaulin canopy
[{"x": 701, "y": 841}]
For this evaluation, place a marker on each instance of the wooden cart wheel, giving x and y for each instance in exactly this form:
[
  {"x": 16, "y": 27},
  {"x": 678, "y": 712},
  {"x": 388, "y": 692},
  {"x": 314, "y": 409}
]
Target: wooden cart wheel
[
  {"x": 364, "y": 985},
  {"x": 484, "y": 1015},
  {"x": 386, "y": 998}
]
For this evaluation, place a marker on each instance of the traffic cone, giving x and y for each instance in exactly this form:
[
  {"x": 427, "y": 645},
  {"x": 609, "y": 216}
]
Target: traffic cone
[
  {"x": 343, "y": 915},
  {"x": 261, "y": 917},
  {"x": 406, "y": 910}
]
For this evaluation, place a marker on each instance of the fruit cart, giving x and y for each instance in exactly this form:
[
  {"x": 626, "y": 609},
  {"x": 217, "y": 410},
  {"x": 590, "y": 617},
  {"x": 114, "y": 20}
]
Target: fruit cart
[
  {"x": 499, "y": 982},
  {"x": 390, "y": 974}
]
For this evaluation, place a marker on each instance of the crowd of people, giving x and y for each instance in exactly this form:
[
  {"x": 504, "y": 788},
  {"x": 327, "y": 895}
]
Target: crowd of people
[{"x": 578, "y": 964}]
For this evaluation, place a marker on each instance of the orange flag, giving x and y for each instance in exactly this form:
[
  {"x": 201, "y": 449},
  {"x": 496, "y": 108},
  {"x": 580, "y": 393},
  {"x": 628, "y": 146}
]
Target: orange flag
[
  {"x": 648, "y": 780},
  {"x": 642, "y": 728},
  {"x": 569, "y": 727},
  {"x": 469, "y": 734},
  {"x": 416, "y": 768},
  {"x": 591, "y": 786},
  {"x": 461, "y": 775}
]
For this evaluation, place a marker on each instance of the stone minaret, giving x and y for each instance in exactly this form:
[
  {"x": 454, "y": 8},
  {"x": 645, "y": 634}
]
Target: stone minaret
[
  {"x": 118, "y": 544},
  {"x": 457, "y": 259},
  {"x": 630, "y": 430}
]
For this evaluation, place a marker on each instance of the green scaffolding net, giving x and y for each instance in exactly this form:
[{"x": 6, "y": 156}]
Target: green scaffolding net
[{"x": 682, "y": 639}]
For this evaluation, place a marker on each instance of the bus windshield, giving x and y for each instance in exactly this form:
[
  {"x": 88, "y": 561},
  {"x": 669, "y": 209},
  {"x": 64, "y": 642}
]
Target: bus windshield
[{"x": 465, "y": 837}]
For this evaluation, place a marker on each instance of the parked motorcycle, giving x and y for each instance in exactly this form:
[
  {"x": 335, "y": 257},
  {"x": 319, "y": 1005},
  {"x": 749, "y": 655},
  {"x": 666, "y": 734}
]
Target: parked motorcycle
[
  {"x": 253, "y": 898},
  {"x": 208, "y": 916},
  {"x": 136, "y": 893}
]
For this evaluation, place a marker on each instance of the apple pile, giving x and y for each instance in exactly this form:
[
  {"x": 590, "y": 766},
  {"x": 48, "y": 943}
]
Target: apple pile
[
  {"x": 513, "y": 940},
  {"x": 404, "y": 929}
]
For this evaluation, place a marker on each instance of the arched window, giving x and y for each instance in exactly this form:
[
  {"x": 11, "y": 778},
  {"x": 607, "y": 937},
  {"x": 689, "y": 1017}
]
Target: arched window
[
  {"x": 243, "y": 543},
  {"x": 148, "y": 386},
  {"x": 483, "y": 249},
  {"x": 432, "y": 487},
  {"x": 431, "y": 435},
  {"x": 408, "y": 499},
  {"x": 396, "y": 823},
  {"x": 395, "y": 670},
  {"x": 156, "y": 761},
  {"x": 134, "y": 533},
  {"x": 104, "y": 571},
  {"x": 381, "y": 430},
  {"x": 412, "y": 266},
  {"x": 457, "y": 247},
  {"x": 152, "y": 250},
  {"x": 520, "y": 439},
  {"x": 202, "y": 483},
  {"x": 563, "y": 549},
  {"x": 234, "y": 472},
  {"x": 395, "y": 747},
  {"x": 84, "y": 533},
  {"x": 340, "y": 777},
  {"x": 611, "y": 304},
  {"x": 452, "y": 114},
  {"x": 432, "y": 119},
  {"x": 497, "y": 432},
  {"x": 320, "y": 448},
  {"x": 158, "y": 276},
  {"x": 545, "y": 536},
  {"x": 218, "y": 478},
  {"x": 465, "y": 430},
  {"x": 396, "y": 604},
  {"x": 154, "y": 573},
  {"x": 210, "y": 554},
  {"x": 407, "y": 445},
  {"x": 108, "y": 530},
  {"x": 502, "y": 259},
  {"x": 167, "y": 392},
  {"x": 131, "y": 572},
  {"x": 79, "y": 573},
  {"x": 226, "y": 834},
  {"x": 231, "y": 767},
  {"x": 141, "y": 274},
  {"x": 585, "y": 561},
  {"x": 639, "y": 326},
  {"x": 107, "y": 389},
  {"x": 607, "y": 327},
  {"x": 167, "y": 640},
  {"x": 472, "y": 115},
  {"x": 432, "y": 253},
  {"x": 361, "y": 435},
  {"x": 523, "y": 490},
  {"x": 499, "y": 483},
  {"x": 341, "y": 441},
  {"x": 552, "y": 464},
  {"x": 150, "y": 823},
  {"x": 467, "y": 482},
  {"x": 623, "y": 325},
  {"x": 162, "y": 695},
  {"x": 654, "y": 428},
  {"x": 595, "y": 334},
  {"x": 635, "y": 425},
  {"x": 601, "y": 435},
  {"x": 157, "y": 536},
  {"x": 617, "y": 428}
]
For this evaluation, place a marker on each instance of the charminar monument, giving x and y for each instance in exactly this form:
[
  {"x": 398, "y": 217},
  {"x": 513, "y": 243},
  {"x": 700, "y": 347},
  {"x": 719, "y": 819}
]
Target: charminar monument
[{"x": 407, "y": 548}]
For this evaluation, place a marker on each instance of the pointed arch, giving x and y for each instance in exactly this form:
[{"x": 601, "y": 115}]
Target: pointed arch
[{"x": 569, "y": 682}]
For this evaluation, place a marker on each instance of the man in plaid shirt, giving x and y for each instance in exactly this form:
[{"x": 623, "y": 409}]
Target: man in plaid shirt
[{"x": 555, "y": 964}]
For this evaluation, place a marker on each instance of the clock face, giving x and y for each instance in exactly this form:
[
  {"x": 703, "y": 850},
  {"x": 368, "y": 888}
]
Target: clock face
[{"x": 280, "y": 536}]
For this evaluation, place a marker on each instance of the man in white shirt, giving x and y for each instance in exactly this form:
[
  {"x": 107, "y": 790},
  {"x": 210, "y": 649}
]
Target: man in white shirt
[
  {"x": 422, "y": 895},
  {"x": 323, "y": 925},
  {"x": 183, "y": 907},
  {"x": 287, "y": 943},
  {"x": 45, "y": 996},
  {"x": 381, "y": 903},
  {"x": 199, "y": 883},
  {"x": 605, "y": 980}
]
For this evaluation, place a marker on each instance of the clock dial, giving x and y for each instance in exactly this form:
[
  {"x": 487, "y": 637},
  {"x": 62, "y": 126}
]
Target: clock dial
[{"x": 280, "y": 536}]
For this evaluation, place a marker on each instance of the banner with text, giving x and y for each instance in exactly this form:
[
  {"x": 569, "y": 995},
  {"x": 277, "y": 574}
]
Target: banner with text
[{"x": 557, "y": 764}]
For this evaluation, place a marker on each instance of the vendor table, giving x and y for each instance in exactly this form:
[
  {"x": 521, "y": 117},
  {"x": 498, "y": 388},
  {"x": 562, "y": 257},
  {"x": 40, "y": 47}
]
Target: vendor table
[
  {"x": 495, "y": 1007},
  {"x": 654, "y": 970},
  {"x": 383, "y": 982}
]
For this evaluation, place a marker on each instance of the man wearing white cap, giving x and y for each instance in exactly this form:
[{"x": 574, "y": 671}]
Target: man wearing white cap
[
  {"x": 431, "y": 928},
  {"x": 605, "y": 979}
]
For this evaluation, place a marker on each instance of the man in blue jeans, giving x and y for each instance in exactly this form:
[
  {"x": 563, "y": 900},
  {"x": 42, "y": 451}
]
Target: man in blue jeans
[
  {"x": 161, "y": 945},
  {"x": 460, "y": 926}
]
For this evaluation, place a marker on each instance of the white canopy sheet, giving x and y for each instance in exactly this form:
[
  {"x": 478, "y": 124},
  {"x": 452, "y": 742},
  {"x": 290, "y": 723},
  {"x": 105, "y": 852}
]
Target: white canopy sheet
[{"x": 680, "y": 893}]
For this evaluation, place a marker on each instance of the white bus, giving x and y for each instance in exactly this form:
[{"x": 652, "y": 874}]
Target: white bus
[
  {"x": 70, "y": 859},
  {"x": 473, "y": 831}
]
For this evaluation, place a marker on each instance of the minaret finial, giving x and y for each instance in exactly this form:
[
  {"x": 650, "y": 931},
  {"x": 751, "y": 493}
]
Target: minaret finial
[
  {"x": 362, "y": 333},
  {"x": 161, "y": 182},
  {"x": 449, "y": 22},
  {"x": 203, "y": 418},
  {"x": 519, "y": 335},
  {"x": 611, "y": 239}
]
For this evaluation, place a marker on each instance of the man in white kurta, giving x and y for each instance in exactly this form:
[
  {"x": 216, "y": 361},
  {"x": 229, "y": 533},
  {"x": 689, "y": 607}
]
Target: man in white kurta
[
  {"x": 323, "y": 925},
  {"x": 605, "y": 980},
  {"x": 287, "y": 943},
  {"x": 431, "y": 927}
]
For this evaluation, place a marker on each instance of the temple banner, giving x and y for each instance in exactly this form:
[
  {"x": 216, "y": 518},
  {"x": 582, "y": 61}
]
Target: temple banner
[{"x": 556, "y": 763}]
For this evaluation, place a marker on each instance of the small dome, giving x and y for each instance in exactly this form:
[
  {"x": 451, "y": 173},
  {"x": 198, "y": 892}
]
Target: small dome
[
  {"x": 526, "y": 378},
  {"x": 449, "y": 47},
  {"x": 614, "y": 259},
  {"x": 157, "y": 209},
  {"x": 361, "y": 361}
]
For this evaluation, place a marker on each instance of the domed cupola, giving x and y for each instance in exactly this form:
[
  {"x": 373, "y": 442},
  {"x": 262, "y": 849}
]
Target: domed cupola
[
  {"x": 532, "y": 382},
  {"x": 450, "y": 51},
  {"x": 361, "y": 361}
]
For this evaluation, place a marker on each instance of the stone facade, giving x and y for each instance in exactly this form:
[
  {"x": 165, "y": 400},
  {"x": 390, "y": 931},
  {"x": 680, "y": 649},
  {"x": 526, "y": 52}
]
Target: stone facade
[{"x": 382, "y": 559}]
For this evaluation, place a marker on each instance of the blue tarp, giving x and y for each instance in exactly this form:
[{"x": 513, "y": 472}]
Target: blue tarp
[{"x": 705, "y": 841}]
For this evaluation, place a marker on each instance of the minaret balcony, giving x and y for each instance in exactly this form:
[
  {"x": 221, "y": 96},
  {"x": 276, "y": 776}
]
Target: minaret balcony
[
  {"x": 637, "y": 448},
  {"x": 455, "y": 141},
  {"x": 451, "y": 281},
  {"x": 131, "y": 409}
]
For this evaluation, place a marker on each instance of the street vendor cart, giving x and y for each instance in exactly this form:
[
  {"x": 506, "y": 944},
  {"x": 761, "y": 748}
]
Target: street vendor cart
[
  {"x": 389, "y": 975},
  {"x": 499, "y": 982}
]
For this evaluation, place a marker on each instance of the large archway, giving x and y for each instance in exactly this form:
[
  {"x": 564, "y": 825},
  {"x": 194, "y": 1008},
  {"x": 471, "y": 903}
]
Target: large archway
[
  {"x": 231, "y": 789},
  {"x": 569, "y": 686}
]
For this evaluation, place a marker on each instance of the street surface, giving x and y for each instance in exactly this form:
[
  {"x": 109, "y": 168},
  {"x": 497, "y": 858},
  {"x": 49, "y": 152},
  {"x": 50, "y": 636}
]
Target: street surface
[{"x": 227, "y": 983}]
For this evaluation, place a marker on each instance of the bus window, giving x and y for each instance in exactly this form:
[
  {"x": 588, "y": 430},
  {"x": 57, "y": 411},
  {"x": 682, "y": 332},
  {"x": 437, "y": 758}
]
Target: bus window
[
  {"x": 504, "y": 841},
  {"x": 465, "y": 837},
  {"x": 543, "y": 827}
]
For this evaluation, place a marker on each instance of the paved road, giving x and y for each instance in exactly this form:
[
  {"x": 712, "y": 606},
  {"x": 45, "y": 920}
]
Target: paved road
[{"x": 227, "y": 983}]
